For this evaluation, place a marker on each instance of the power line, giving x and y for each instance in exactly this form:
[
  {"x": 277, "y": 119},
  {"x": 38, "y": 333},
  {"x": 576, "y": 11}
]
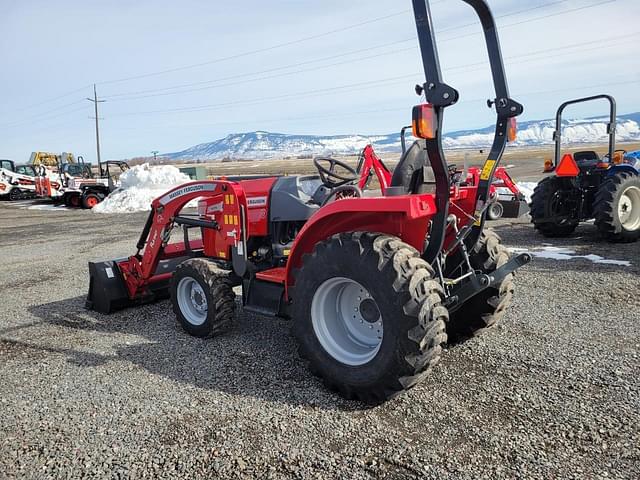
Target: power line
[
  {"x": 360, "y": 85},
  {"x": 395, "y": 109},
  {"x": 410, "y": 39},
  {"x": 141, "y": 94},
  {"x": 259, "y": 50},
  {"x": 392, "y": 52}
]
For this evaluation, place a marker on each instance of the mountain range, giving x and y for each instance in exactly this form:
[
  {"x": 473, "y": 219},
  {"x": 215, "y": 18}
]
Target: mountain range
[{"x": 264, "y": 145}]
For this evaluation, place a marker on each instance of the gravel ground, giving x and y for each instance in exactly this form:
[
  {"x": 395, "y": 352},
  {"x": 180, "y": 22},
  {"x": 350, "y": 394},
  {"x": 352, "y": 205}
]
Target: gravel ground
[{"x": 553, "y": 393}]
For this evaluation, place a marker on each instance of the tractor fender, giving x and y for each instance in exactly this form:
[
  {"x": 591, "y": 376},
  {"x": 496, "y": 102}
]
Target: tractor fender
[
  {"x": 615, "y": 169},
  {"x": 405, "y": 216}
]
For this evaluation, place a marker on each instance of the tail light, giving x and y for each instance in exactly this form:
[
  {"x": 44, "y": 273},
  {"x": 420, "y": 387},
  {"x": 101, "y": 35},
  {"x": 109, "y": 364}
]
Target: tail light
[
  {"x": 548, "y": 165},
  {"x": 567, "y": 167},
  {"x": 424, "y": 121},
  {"x": 617, "y": 158}
]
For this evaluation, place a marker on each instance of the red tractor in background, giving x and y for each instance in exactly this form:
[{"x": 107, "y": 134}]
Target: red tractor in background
[
  {"x": 506, "y": 199},
  {"x": 374, "y": 286}
]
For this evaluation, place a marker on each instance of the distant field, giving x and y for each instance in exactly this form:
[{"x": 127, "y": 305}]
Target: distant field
[{"x": 525, "y": 162}]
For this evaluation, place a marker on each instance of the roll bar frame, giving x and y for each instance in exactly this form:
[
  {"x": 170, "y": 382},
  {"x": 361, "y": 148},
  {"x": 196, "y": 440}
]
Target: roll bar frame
[
  {"x": 611, "y": 126},
  {"x": 441, "y": 96}
]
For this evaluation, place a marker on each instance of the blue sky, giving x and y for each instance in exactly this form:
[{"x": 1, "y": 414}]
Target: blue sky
[{"x": 354, "y": 80}]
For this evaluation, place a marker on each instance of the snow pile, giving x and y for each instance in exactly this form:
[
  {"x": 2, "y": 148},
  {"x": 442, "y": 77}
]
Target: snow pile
[
  {"x": 560, "y": 253},
  {"x": 527, "y": 189},
  {"x": 139, "y": 186}
]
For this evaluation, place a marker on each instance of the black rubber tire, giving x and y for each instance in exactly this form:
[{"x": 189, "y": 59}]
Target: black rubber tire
[
  {"x": 605, "y": 208},
  {"x": 86, "y": 199},
  {"x": 15, "y": 194},
  {"x": 486, "y": 309},
  {"x": 495, "y": 211},
  {"x": 410, "y": 303},
  {"x": 218, "y": 288},
  {"x": 541, "y": 210},
  {"x": 72, "y": 200}
]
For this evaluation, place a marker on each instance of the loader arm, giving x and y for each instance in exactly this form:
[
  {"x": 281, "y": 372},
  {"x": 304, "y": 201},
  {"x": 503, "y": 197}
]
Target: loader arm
[
  {"x": 440, "y": 96},
  {"x": 118, "y": 283}
]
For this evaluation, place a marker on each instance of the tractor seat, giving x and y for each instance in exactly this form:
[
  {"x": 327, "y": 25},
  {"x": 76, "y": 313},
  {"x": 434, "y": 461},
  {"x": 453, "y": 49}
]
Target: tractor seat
[
  {"x": 406, "y": 176},
  {"x": 586, "y": 159}
]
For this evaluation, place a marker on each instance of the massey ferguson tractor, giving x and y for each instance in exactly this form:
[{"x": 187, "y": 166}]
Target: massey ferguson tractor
[
  {"x": 585, "y": 187},
  {"x": 373, "y": 286}
]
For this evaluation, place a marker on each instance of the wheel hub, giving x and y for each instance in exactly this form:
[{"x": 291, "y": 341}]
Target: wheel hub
[
  {"x": 347, "y": 321},
  {"x": 629, "y": 208},
  {"x": 192, "y": 301},
  {"x": 369, "y": 310}
]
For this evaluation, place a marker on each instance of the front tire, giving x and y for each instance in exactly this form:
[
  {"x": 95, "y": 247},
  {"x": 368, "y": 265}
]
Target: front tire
[
  {"x": 202, "y": 297},
  {"x": 15, "y": 194},
  {"x": 617, "y": 208},
  {"x": 368, "y": 315},
  {"x": 495, "y": 211},
  {"x": 549, "y": 213},
  {"x": 90, "y": 200},
  {"x": 486, "y": 309}
]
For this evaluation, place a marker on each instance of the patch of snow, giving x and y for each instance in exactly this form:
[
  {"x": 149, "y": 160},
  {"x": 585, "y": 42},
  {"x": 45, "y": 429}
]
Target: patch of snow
[
  {"x": 139, "y": 186},
  {"x": 527, "y": 189},
  {"x": 561, "y": 253}
]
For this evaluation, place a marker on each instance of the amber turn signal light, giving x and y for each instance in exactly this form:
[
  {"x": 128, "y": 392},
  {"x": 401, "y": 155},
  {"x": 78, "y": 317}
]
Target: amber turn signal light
[
  {"x": 512, "y": 129},
  {"x": 424, "y": 121}
]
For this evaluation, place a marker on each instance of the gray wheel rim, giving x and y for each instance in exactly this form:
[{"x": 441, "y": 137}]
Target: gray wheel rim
[
  {"x": 629, "y": 208},
  {"x": 192, "y": 301},
  {"x": 495, "y": 210},
  {"x": 347, "y": 321}
]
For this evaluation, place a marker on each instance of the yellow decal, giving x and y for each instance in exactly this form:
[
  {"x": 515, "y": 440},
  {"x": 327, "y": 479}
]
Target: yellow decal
[
  {"x": 286, "y": 252},
  {"x": 222, "y": 254},
  {"x": 235, "y": 219},
  {"x": 486, "y": 170}
]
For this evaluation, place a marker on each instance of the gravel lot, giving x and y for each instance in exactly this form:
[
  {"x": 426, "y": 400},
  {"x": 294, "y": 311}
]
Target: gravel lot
[{"x": 553, "y": 393}]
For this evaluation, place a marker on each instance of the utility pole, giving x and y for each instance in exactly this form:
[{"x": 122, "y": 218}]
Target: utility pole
[
  {"x": 155, "y": 153},
  {"x": 95, "y": 105}
]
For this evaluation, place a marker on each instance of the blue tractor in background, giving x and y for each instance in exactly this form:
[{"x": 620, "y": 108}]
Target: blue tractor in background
[{"x": 585, "y": 186}]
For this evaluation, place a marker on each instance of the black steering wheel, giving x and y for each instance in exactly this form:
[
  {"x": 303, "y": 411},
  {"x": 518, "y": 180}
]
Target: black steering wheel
[{"x": 329, "y": 176}]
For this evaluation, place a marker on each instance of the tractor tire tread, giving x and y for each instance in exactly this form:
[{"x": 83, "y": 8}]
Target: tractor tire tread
[
  {"x": 422, "y": 316},
  {"x": 486, "y": 309},
  {"x": 605, "y": 208},
  {"x": 538, "y": 211},
  {"x": 220, "y": 284}
]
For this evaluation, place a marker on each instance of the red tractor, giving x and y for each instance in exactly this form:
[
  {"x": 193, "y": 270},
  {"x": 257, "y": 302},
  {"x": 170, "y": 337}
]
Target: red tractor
[
  {"x": 506, "y": 199},
  {"x": 373, "y": 285}
]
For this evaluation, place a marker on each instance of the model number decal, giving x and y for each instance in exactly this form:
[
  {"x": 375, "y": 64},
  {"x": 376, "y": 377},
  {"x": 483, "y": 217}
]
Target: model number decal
[{"x": 256, "y": 202}]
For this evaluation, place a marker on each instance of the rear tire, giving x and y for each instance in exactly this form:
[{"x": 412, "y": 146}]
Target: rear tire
[
  {"x": 486, "y": 309},
  {"x": 617, "y": 208},
  {"x": 202, "y": 297},
  {"x": 72, "y": 200},
  {"x": 394, "y": 294},
  {"x": 544, "y": 205}
]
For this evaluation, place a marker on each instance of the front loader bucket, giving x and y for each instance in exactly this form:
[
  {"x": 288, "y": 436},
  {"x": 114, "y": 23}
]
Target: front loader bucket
[
  {"x": 514, "y": 208},
  {"x": 108, "y": 292}
]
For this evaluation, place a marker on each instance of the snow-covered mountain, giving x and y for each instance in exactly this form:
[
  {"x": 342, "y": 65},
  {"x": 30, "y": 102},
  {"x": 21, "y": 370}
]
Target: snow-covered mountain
[{"x": 260, "y": 145}]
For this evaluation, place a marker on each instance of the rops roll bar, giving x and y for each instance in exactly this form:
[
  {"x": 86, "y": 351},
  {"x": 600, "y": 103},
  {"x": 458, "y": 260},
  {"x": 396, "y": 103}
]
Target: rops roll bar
[
  {"x": 611, "y": 126},
  {"x": 441, "y": 96}
]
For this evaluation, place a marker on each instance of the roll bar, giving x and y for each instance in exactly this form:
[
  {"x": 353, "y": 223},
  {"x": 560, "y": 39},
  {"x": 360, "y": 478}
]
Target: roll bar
[
  {"x": 441, "y": 96},
  {"x": 611, "y": 126}
]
